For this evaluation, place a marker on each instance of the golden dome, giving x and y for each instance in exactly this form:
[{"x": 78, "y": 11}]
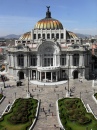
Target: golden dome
[
  {"x": 26, "y": 36},
  {"x": 72, "y": 35},
  {"x": 48, "y": 22}
]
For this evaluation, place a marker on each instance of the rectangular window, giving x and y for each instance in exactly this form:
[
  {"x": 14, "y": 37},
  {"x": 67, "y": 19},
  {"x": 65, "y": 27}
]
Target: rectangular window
[
  {"x": 34, "y": 36},
  {"x": 63, "y": 59},
  {"x": 48, "y": 61},
  {"x": 61, "y": 35},
  {"x": 45, "y": 61},
  {"x": 51, "y": 61}
]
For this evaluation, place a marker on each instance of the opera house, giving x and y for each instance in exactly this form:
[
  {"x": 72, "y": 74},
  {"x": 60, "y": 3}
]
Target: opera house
[{"x": 49, "y": 53}]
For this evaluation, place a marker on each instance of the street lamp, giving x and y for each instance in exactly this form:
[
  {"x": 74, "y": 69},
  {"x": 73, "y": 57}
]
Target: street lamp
[
  {"x": 68, "y": 93},
  {"x": 28, "y": 93}
]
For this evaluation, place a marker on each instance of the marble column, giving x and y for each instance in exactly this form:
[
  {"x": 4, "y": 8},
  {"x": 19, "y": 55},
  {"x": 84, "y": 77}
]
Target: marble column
[
  {"x": 31, "y": 74},
  {"x": 67, "y": 59},
  {"x": 40, "y": 76},
  {"x": 59, "y": 74},
  {"x": 45, "y": 76},
  {"x": 80, "y": 60},
  {"x": 83, "y": 62},
  {"x": 41, "y": 60},
  {"x": 36, "y": 74},
  {"x": 56, "y": 76},
  {"x": 38, "y": 60},
  {"x": 71, "y": 60}
]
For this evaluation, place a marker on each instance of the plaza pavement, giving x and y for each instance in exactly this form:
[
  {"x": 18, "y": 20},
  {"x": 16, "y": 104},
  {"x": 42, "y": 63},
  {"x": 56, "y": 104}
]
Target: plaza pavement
[{"x": 48, "y": 94}]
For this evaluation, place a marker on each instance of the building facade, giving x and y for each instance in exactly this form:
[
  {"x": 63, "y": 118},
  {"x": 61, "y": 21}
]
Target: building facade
[{"x": 49, "y": 53}]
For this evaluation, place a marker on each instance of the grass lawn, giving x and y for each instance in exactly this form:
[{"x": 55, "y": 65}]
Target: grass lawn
[
  {"x": 74, "y": 116},
  {"x": 1, "y": 96},
  {"x": 21, "y": 115}
]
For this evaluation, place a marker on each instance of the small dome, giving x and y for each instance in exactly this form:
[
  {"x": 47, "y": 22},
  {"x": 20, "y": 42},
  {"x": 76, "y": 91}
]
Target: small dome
[
  {"x": 26, "y": 36},
  {"x": 48, "y": 22}
]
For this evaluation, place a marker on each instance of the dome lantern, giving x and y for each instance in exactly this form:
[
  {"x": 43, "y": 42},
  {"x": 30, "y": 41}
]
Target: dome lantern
[{"x": 48, "y": 13}]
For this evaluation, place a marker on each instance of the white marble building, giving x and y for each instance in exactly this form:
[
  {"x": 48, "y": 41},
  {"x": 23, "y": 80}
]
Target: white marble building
[{"x": 48, "y": 53}]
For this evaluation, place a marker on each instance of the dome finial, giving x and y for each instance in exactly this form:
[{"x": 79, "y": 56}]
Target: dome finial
[
  {"x": 48, "y": 8},
  {"x": 48, "y": 13}
]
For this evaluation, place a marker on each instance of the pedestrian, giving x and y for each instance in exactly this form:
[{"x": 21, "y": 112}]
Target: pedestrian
[
  {"x": 49, "y": 110},
  {"x": 45, "y": 113},
  {"x": 32, "y": 89},
  {"x": 49, "y": 105},
  {"x": 43, "y": 108},
  {"x": 54, "y": 125}
]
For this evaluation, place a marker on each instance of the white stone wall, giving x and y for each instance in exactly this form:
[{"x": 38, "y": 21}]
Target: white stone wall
[{"x": 50, "y": 32}]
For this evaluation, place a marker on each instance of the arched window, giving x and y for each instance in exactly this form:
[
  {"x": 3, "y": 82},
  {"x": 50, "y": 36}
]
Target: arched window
[
  {"x": 39, "y": 36},
  {"x": 57, "y": 35},
  {"x": 33, "y": 60},
  {"x": 52, "y": 35},
  {"x": 34, "y": 36},
  {"x": 62, "y": 35},
  {"x": 20, "y": 60},
  {"x": 48, "y": 36},
  {"x": 63, "y": 59},
  {"x": 43, "y": 36},
  {"x": 76, "y": 60}
]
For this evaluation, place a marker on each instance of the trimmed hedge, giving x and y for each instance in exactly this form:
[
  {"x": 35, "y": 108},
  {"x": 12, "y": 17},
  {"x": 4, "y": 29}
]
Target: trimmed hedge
[
  {"x": 21, "y": 115},
  {"x": 74, "y": 116}
]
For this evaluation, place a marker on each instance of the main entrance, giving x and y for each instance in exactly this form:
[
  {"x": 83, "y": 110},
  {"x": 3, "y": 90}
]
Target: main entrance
[
  {"x": 48, "y": 75},
  {"x": 21, "y": 75},
  {"x": 75, "y": 76}
]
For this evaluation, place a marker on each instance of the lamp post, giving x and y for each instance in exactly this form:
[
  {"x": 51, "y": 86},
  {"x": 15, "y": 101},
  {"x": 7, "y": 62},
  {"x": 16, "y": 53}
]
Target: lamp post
[
  {"x": 28, "y": 93},
  {"x": 68, "y": 93},
  {"x": 68, "y": 76}
]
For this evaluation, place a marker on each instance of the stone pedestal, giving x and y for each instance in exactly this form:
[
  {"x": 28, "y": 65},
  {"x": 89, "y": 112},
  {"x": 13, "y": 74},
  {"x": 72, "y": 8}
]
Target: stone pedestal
[
  {"x": 67, "y": 94},
  {"x": 28, "y": 95}
]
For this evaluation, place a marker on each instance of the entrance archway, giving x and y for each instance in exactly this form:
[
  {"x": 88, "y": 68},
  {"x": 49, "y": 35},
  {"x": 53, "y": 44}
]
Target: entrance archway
[
  {"x": 75, "y": 74},
  {"x": 48, "y": 75},
  {"x": 21, "y": 75}
]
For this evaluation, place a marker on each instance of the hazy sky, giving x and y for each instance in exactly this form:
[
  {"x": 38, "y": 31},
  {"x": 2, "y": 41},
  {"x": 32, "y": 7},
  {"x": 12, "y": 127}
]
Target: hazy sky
[{"x": 20, "y": 16}]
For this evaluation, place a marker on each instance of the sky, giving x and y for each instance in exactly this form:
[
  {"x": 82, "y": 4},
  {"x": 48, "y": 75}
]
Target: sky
[{"x": 20, "y": 16}]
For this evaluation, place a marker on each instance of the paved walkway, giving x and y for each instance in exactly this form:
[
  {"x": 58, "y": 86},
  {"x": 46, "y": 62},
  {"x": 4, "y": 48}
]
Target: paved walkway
[{"x": 48, "y": 94}]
